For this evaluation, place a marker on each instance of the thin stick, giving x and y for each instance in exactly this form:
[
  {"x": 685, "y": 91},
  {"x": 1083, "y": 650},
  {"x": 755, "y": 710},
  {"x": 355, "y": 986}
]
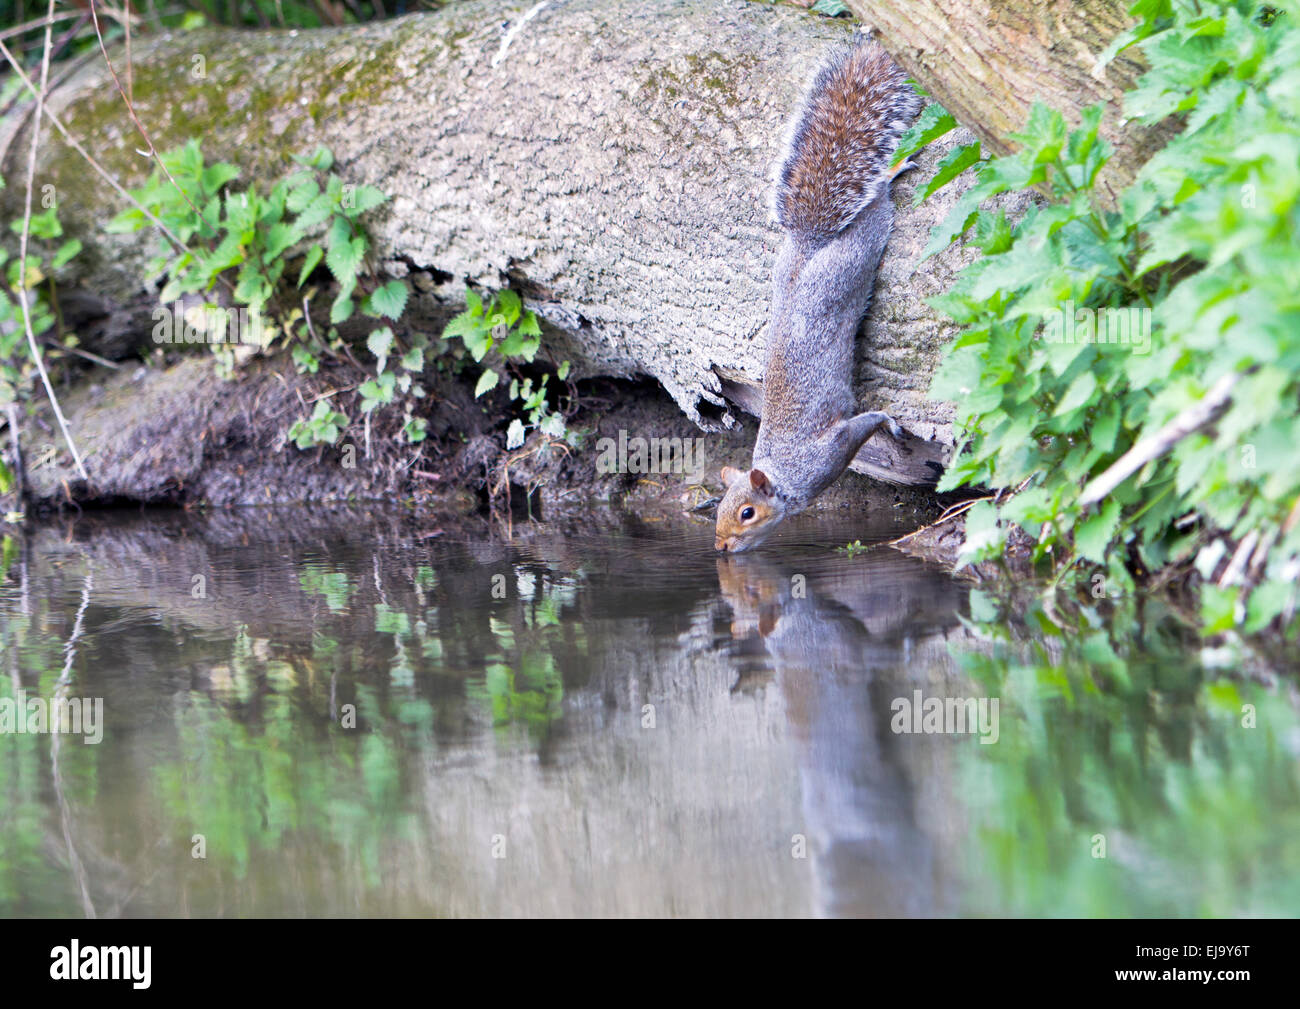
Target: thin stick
[
  {"x": 950, "y": 513},
  {"x": 76, "y": 146},
  {"x": 1153, "y": 446},
  {"x": 22, "y": 249},
  {"x": 103, "y": 361},
  {"x": 130, "y": 110},
  {"x": 130, "y": 75},
  {"x": 24, "y": 28}
]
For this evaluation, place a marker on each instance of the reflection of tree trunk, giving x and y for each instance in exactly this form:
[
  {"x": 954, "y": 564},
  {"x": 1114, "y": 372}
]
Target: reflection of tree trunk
[{"x": 987, "y": 62}]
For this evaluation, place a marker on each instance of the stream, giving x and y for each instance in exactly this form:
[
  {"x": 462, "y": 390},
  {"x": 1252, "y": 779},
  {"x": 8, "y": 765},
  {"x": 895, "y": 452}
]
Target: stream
[{"x": 301, "y": 712}]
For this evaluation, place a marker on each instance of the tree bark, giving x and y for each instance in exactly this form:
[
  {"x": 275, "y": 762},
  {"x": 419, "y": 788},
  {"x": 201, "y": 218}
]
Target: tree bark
[
  {"x": 988, "y": 61},
  {"x": 612, "y": 166}
]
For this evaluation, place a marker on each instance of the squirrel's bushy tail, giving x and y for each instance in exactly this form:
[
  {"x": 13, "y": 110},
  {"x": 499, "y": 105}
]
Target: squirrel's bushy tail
[{"x": 843, "y": 139}]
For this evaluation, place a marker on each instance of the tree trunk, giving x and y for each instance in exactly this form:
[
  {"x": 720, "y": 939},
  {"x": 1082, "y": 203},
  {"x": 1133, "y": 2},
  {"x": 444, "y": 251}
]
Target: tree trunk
[
  {"x": 610, "y": 164},
  {"x": 988, "y": 61}
]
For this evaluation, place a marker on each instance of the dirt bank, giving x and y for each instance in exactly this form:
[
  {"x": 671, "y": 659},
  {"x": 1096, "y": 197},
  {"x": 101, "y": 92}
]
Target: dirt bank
[{"x": 181, "y": 435}]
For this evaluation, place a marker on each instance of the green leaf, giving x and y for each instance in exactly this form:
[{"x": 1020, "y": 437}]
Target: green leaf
[
  {"x": 933, "y": 122},
  {"x": 278, "y": 238},
  {"x": 65, "y": 252},
  {"x": 358, "y": 199},
  {"x": 1093, "y": 535},
  {"x": 344, "y": 259},
  {"x": 528, "y": 325},
  {"x": 389, "y": 300},
  {"x": 341, "y": 309},
  {"x": 508, "y": 304},
  {"x": 462, "y": 324},
  {"x": 380, "y": 343},
  {"x": 312, "y": 260},
  {"x": 950, "y": 166},
  {"x": 320, "y": 159},
  {"x": 1044, "y": 134},
  {"x": 301, "y": 195},
  {"x": 216, "y": 176},
  {"x": 1079, "y": 394},
  {"x": 488, "y": 380}
]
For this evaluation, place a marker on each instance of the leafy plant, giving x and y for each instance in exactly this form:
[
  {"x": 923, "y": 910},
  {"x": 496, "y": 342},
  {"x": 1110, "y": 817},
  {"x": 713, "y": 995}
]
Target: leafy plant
[
  {"x": 1196, "y": 268},
  {"x": 46, "y": 255},
  {"x": 851, "y": 550},
  {"x": 503, "y": 326},
  {"x": 244, "y": 241},
  {"x": 323, "y": 427}
]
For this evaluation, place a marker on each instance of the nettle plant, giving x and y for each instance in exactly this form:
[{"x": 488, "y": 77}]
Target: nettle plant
[
  {"x": 213, "y": 235},
  {"x": 47, "y": 252},
  {"x": 504, "y": 326},
  {"x": 1171, "y": 322}
]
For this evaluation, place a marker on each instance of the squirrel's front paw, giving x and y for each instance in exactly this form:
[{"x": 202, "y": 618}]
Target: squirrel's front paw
[{"x": 895, "y": 431}]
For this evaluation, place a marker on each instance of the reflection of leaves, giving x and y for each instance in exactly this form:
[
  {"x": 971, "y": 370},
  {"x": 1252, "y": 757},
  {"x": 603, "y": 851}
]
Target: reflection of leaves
[
  {"x": 1117, "y": 733},
  {"x": 25, "y": 877},
  {"x": 332, "y": 585},
  {"x": 533, "y": 695},
  {"x": 379, "y": 770},
  {"x": 8, "y": 552},
  {"x": 391, "y": 621}
]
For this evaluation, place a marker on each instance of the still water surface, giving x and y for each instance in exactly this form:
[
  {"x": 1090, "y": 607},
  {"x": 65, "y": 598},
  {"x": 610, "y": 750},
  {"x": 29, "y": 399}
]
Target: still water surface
[{"x": 344, "y": 716}]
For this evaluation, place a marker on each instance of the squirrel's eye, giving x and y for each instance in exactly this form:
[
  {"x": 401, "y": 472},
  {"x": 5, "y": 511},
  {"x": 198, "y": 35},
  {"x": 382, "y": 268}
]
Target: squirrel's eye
[{"x": 746, "y": 514}]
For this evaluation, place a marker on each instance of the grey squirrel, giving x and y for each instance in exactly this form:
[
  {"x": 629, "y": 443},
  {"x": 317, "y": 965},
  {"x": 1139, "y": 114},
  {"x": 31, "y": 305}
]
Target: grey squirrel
[{"x": 833, "y": 201}]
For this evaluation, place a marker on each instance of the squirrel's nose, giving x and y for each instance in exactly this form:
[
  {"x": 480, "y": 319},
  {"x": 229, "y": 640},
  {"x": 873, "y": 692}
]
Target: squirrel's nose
[{"x": 720, "y": 544}]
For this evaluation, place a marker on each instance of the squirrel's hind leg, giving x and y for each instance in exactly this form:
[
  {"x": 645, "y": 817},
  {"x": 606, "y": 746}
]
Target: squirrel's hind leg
[{"x": 864, "y": 425}]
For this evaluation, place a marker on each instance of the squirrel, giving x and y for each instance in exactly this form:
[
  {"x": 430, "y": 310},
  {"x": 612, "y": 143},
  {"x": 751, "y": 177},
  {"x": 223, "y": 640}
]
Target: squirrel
[{"x": 833, "y": 201}]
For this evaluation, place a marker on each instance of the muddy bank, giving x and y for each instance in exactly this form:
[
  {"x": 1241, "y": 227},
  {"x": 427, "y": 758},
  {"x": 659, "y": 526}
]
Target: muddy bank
[{"x": 183, "y": 436}]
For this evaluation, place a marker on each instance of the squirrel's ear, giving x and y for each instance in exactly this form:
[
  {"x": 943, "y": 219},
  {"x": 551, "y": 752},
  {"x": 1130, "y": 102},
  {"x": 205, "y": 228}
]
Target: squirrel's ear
[
  {"x": 730, "y": 475},
  {"x": 759, "y": 481}
]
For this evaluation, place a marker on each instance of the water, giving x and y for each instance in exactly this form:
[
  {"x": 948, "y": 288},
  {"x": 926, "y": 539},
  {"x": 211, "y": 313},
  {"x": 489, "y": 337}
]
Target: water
[{"x": 333, "y": 713}]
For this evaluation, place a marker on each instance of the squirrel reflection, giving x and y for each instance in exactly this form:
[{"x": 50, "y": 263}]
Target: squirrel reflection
[{"x": 839, "y": 643}]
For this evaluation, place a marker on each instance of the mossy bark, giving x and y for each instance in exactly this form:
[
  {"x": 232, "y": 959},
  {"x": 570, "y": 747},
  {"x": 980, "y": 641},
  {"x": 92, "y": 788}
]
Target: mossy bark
[{"x": 988, "y": 61}]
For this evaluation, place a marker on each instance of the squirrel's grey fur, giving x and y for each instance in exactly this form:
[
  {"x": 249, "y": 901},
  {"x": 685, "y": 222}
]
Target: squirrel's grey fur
[{"x": 833, "y": 200}]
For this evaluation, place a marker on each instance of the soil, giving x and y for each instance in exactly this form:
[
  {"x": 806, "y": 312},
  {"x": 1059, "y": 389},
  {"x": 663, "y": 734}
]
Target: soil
[{"x": 178, "y": 434}]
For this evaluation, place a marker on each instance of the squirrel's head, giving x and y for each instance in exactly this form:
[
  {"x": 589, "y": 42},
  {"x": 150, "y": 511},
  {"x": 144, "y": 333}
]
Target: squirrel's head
[{"x": 749, "y": 512}]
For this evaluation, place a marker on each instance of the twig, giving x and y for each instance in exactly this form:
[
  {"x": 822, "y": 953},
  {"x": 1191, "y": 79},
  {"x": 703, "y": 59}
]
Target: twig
[
  {"x": 949, "y": 513},
  {"x": 22, "y": 249},
  {"x": 23, "y": 29},
  {"x": 1237, "y": 566},
  {"x": 92, "y": 357},
  {"x": 130, "y": 110},
  {"x": 76, "y": 146},
  {"x": 1152, "y": 447}
]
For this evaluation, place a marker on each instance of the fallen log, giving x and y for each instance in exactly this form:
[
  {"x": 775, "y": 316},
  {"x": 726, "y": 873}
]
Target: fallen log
[{"x": 609, "y": 164}]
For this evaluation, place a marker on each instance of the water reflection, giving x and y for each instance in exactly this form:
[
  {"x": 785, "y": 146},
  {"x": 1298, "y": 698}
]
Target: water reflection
[{"x": 325, "y": 713}]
